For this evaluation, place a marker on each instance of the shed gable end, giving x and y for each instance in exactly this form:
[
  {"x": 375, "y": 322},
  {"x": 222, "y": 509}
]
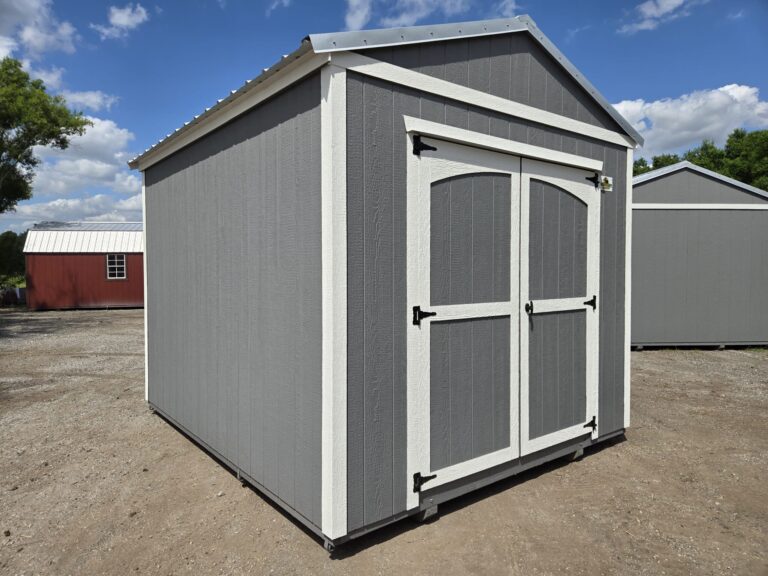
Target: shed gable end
[
  {"x": 512, "y": 66},
  {"x": 691, "y": 187}
]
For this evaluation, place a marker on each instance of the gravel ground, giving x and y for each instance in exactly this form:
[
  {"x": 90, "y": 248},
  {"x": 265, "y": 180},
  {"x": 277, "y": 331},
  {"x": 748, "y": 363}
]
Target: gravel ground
[{"x": 92, "y": 483}]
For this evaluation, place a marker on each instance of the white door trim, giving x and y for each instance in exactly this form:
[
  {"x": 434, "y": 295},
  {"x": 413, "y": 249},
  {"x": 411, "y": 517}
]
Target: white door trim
[
  {"x": 333, "y": 151},
  {"x": 451, "y": 159},
  {"x": 480, "y": 140},
  {"x": 425, "y": 83},
  {"x": 628, "y": 291},
  {"x": 563, "y": 178}
]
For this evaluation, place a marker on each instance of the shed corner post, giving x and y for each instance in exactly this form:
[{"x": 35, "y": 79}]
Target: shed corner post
[
  {"x": 144, "y": 261},
  {"x": 628, "y": 289},
  {"x": 333, "y": 150}
]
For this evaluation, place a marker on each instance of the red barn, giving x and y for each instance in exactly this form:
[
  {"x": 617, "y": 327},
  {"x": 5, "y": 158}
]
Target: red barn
[{"x": 85, "y": 265}]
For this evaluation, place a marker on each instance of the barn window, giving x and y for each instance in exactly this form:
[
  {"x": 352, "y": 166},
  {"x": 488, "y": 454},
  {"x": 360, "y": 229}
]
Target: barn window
[{"x": 115, "y": 266}]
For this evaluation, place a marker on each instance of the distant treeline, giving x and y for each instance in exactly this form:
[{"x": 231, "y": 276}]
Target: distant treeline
[
  {"x": 12, "y": 268},
  {"x": 744, "y": 158}
]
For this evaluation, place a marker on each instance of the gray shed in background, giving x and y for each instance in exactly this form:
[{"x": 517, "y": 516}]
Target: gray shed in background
[
  {"x": 386, "y": 272},
  {"x": 699, "y": 259}
]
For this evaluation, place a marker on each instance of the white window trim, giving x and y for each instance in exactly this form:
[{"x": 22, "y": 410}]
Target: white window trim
[
  {"x": 425, "y": 83},
  {"x": 660, "y": 206},
  {"x": 124, "y": 265},
  {"x": 333, "y": 150},
  {"x": 558, "y": 176},
  {"x": 452, "y": 161}
]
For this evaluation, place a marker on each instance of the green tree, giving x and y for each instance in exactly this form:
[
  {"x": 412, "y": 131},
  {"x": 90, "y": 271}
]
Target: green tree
[
  {"x": 11, "y": 255},
  {"x": 664, "y": 160},
  {"x": 707, "y": 156},
  {"x": 29, "y": 117},
  {"x": 746, "y": 157},
  {"x": 640, "y": 166}
]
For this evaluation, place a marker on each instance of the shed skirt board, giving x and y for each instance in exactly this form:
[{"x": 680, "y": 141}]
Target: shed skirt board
[{"x": 488, "y": 233}]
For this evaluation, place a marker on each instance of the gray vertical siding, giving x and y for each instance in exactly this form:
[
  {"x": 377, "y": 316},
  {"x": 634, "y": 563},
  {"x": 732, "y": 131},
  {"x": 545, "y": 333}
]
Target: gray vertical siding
[
  {"x": 557, "y": 245},
  {"x": 469, "y": 389},
  {"x": 699, "y": 277},
  {"x": 512, "y": 66},
  {"x": 234, "y": 294},
  {"x": 557, "y": 371},
  {"x": 689, "y": 187},
  {"x": 376, "y": 263},
  {"x": 470, "y": 234}
]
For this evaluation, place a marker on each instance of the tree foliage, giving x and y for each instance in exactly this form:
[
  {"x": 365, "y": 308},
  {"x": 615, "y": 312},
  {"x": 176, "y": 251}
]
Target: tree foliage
[
  {"x": 11, "y": 255},
  {"x": 29, "y": 116},
  {"x": 744, "y": 158}
]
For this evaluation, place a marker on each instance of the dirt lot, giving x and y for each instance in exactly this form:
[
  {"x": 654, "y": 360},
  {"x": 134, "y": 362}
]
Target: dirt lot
[{"x": 92, "y": 483}]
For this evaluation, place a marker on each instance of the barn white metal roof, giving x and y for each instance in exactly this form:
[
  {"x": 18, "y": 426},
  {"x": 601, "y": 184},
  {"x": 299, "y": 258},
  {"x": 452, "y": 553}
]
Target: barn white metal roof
[{"x": 85, "y": 238}]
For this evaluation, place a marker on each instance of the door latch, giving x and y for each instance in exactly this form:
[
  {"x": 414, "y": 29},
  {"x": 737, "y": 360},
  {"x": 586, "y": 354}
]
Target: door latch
[
  {"x": 419, "y": 315},
  {"x": 419, "y": 480},
  {"x": 592, "y": 302},
  {"x": 420, "y": 146},
  {"x": 529, "y": 307}
]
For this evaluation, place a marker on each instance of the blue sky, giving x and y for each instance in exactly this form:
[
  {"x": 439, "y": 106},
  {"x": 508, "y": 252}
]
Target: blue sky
[{"x": 679, "y": 70}]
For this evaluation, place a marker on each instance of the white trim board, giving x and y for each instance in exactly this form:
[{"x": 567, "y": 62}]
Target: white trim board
[
  {"x": 146, "y": 299},
  {"x": 292, "y": 73},
  {"x": 480, "y": 140},
  {"x": 657, "y": 206},
  {"x": 333, "y": 125},
  {"x": 628, "y": 291},
  {"x": 404, "y": 77}
]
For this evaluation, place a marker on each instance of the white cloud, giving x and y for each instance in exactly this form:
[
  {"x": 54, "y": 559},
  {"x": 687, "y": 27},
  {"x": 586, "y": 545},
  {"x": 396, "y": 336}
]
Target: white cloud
[
  {"x": 738, "y": 15},
  {"x": 675, "y": 124},
  {"x": 409, "y": 12},
  {"x": 100, "y": 207},
  {"x": 7, "y": 46},
  {"x": 507, "y": 8},
  {"x": 571, "y": 33},
  {"x": 94, "y": 160},
  {"x": 95, "y": 100},
  {"x": 358, "y": 14},
  {"x": 121, "y": 21},
  {"x": 651, "y": 13},
  {"x": 277, "y": 4},
  {"x": 32, "y": 25}
]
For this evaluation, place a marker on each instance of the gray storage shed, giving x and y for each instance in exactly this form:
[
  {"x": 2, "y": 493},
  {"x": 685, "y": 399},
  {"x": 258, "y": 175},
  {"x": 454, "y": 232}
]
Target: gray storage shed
[
  {"x": 699, "y": 259},
  {"x": 385, "y": 272}
]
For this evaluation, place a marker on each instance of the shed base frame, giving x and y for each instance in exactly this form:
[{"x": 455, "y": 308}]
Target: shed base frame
[
  {"x": 717, "y": 344},
  {"x": 429, "y": 500}
]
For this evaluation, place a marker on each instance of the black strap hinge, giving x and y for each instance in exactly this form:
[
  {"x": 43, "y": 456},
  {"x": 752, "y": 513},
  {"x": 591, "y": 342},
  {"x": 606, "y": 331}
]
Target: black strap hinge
[
  {"x": 419, "y": 315},
  {"x": 594, "y": 179},
  {"x": 592, "y": 302},
  {"x": 592, "y": 423},
  {"x": 529, "y": 307},
  {"x": 419, "y": 481},
  {"x": 420, "y": 146}
]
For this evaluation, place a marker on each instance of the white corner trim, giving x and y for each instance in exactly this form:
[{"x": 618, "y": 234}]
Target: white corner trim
[
  {"x": 398, "y": 75},
  {"x": 659, "y": 206},
  {"x": 628, "y": 291},
  {"x": 144, "y": 263},
  {"x": 462, "y": 136},
  {"x": 292, "y": 73},
  {"x": 333, "y": 150}
]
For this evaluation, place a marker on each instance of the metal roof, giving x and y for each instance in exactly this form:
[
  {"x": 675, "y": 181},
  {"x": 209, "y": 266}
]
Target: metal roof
[
  {"x": 685, "y": 165},
  {"x": 362, "y": 39},
  {"x": 85, "y": 238}
]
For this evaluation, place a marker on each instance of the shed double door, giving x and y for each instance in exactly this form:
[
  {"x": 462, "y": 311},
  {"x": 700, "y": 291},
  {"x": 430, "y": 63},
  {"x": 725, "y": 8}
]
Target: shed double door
[{"x": 503, "y": 264}]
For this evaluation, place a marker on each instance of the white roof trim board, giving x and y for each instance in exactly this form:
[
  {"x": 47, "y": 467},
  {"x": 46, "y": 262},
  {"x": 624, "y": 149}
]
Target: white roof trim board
[
  {"x": 358, "y": 40},
  {"x": 85, "y": 238},
  {"x": 685, "y": 165}
]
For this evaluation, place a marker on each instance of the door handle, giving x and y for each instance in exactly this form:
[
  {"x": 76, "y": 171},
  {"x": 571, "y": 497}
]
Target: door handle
[
  {"x": 419, "y": 315},
  {"x": 529, "y": 307}
]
